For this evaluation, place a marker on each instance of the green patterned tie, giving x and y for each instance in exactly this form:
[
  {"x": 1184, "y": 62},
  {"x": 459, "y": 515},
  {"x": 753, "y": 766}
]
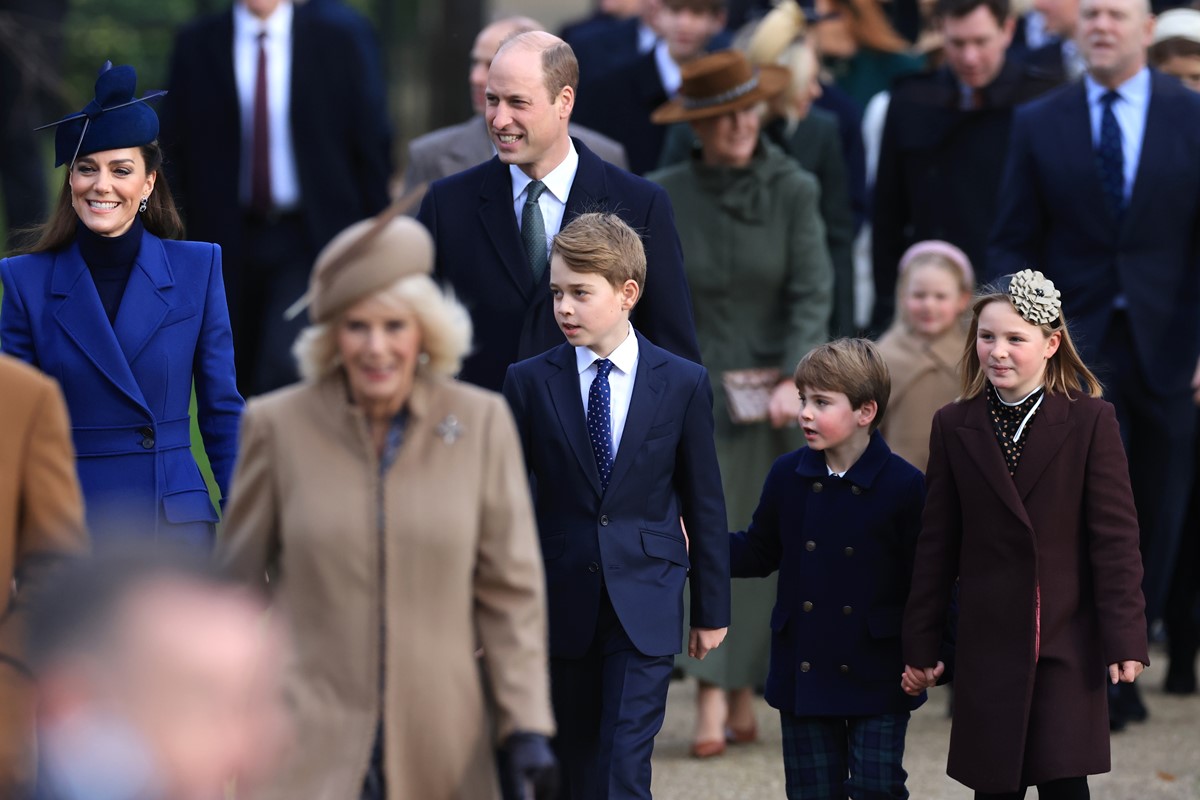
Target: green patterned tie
[{"x": 533, "y": 231}]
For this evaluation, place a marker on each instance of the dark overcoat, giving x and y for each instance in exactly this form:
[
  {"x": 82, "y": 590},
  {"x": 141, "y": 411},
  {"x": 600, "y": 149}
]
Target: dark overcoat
[
  {"x": 844, "y": 549},
  {"x": 1049, "y": 588}
]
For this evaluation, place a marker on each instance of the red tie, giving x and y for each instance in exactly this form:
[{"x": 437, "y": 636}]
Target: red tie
[{"x": 260, "y": 160}]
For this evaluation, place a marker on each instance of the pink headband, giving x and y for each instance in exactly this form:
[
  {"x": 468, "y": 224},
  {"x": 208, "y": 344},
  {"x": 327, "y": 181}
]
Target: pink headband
[{"x": 936, "y": 247}]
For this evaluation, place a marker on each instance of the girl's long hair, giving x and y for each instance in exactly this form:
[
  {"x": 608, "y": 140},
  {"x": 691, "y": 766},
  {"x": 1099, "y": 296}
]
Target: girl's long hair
[{"x": 1065, "y": 371}]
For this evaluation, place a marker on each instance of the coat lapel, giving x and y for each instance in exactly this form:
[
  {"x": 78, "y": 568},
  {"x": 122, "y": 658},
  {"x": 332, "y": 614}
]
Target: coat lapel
[
  {"x": 143, "y": 306},
  {"x": 83, "y": 320},
  {"x": 564, "y": 394},
  {"x": 648, "y": 387},
  {"x": 589, "y": 191},
  {"x": 1079, "y": 151},
  {"x": 1159, "y": 126},
  {"x": 498, "y": 220},
  {"x": 979, "y": 440},
  {"x": 1048, "y": 430}
]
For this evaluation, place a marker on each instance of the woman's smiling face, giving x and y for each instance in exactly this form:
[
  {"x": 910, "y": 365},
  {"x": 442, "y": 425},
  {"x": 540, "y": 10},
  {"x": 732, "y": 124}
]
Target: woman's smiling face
[{"x": 107, "y": 188}]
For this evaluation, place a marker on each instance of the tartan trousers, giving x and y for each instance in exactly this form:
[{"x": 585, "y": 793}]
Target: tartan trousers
[{"x": 836, "y": 758}]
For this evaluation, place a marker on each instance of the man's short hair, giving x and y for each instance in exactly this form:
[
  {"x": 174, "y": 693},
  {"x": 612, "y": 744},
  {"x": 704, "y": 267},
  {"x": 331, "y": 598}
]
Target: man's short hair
[
  {"x": 713, "y": 7},
  {"x": 559, "y": 65},
  {"x": 957, "y": 9},
  {"x": 602, "y": 244},
  {"x": 853, "y": 367}
]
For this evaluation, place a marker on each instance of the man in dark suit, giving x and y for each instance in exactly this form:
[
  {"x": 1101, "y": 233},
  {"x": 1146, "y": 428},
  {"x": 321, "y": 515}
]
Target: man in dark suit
[
  {"x": 602, "y": 48},
  {"x": 1102, "y": 193},
  {"x": 457, "y": 147},
  {"x": 274, "y": 143},
  {"x": 1060, "y": 57},
  {"x": 607, "y": 14},
  {"x": 938, "y": 166},
  {"x": 540, "y": 179}
]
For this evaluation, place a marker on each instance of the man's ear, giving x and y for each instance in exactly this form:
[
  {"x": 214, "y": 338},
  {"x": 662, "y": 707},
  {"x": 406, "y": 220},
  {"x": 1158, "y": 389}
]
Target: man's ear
[{"x": 566, "y": 98}]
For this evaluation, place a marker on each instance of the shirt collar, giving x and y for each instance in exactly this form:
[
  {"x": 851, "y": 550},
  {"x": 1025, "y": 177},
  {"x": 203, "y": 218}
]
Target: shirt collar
[
  {"x": 1135, "y": 91},
  {"x": 646, "y": 37},
  {"x": 624, "y": 358},
  {"x": 277, "y": 26},
  {"x": 558, "y": 181},
  {"x": 668, "y": 70}
]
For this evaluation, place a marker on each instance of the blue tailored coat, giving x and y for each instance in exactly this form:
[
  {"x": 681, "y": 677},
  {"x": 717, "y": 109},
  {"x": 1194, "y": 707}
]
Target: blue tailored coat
[
  {"x": 844, "y": 549},
  {"x": 128, "y": 384},
  {"x": 627, "y": 538}
]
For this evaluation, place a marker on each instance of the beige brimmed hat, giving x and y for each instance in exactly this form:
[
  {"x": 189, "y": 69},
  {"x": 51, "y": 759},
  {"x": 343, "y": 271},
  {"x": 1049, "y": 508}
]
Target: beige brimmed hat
[
  {"x": 1178, "y": 23},
  {"x": 366, "y": 258},
  {"x": 719, "y": 83}
]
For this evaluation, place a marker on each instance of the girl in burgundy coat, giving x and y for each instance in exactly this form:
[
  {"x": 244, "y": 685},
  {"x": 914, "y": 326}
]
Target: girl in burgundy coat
[{"x": 1029, "y": 508}]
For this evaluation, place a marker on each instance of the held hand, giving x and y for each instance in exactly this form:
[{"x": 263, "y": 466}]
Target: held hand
[
  {"x": 532, "y": 765},
  {"x": 1125, "y": 672},
  {"x": 701, "y": 640},
  {"x": 915, "y": 680},
  {"x": 784, "y": 407}
]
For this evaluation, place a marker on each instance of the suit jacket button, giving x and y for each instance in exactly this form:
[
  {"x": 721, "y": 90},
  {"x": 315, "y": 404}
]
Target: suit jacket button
[
  {"x": 849, "y": 552},
  {"x": 810, "y": 545},
  {"x": 845, "y": 669},
  {"x": 604, "y": 519},
  {"x": 808, "y": 606},
  {"x": 148, "y": 443},
  {"x": 593, "y": 567},
  {"x": 805, "y": 666},
  {"x": 146, "y": 432},
  {"x": 856, "y": 490},
  {"x": 847, "y": 610},
  {"x": 817, "y": 486}
]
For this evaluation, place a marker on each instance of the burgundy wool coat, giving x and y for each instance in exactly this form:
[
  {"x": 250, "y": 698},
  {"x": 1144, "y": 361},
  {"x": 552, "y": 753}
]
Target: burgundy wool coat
[{"x": 1030, "y": 700}]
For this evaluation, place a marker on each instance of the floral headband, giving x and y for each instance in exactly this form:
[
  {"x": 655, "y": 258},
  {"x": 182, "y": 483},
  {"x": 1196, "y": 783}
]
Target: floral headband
[{"x": 1034, "y": 297}]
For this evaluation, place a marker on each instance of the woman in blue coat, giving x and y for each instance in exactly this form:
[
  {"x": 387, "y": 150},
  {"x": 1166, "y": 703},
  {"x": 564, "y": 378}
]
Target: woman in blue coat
[{"x": 125, "y": 318}]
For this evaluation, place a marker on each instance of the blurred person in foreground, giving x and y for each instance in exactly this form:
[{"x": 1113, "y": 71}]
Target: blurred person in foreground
[
  {"x": 388, "y": 505},
  {"x": 41, "y": 520},
  {"x": 159, "y": 679}
]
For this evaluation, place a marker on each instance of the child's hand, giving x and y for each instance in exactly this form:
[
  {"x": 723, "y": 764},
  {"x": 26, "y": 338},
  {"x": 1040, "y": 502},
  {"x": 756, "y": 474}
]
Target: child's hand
[
  {"x": 784, "y": 407},
  {"x": 915, "y": 680},
  {"x": 1125, "y": 672},
  {"x": 701, "y": 640}
]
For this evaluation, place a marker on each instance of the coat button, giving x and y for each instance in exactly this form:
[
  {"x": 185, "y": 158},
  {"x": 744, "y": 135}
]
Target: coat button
[
  {"x": 856, "y": 490},
  {"x": 148, "y": 443},
  {"x": 847, "y": 610},
  {"x": 146, "y": 432},
  {"x": 810, "y": 545},
  {"x": 817, "y": 486},
  {"x": 805, "y": 666},
  {"x": 808, "y": 606},
  {"x": 845, "y": 669},
  {"x": 593, "y": 567},
  {"x": 604, "y": 519},
  {"x": 849, "y": 552}
]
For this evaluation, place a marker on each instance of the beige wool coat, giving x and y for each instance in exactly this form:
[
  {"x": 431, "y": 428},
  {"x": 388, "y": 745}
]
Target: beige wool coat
[{"x": 457, "y": 566}]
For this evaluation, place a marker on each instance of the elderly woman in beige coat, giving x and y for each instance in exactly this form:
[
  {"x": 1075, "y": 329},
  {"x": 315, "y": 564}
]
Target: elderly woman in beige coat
[{"x": 385, "y": 508}]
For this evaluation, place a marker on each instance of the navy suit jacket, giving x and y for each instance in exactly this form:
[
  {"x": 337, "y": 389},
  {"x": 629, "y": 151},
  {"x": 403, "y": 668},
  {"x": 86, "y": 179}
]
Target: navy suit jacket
[
  {"x": 480, "y": 255},
  {"x": 844, "y": 549},
  {"x": 341, "y": 140},
  {"x": 128, "y": 384},
  {"x": 619, "y": 104},
  {"x": 1052, "y": 216},
  {"x": 629, "y": 537}
]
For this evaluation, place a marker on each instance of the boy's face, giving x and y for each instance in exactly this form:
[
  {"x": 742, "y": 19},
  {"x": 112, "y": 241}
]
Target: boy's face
[
  {"x": 828, "y": 420},
  {"x": 687, "y": 30},
  {"x": 590, "y": 311}
]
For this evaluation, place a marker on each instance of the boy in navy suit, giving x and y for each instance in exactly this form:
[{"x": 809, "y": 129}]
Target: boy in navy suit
[
  {"x": 618, "y": 438},
  {"x": 839, "y": 519}
]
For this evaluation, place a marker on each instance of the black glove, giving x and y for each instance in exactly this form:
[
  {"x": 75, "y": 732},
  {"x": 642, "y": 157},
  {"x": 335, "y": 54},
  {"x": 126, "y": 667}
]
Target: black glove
[{"x": 530, "y": 763}]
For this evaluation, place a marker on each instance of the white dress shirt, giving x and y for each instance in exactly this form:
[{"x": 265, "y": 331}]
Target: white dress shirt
[
  {"x": 646, "y": 38},
  {"x": 620, "y": 381},
  {"x": 553, "y": 201},
  {"x": 1130, "y": 111},
  {"x": 285, "y": 182},
  {"x": 668, "y": 70}
]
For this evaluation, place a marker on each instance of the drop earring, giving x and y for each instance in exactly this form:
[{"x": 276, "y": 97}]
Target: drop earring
[{"x": 142, "y": 207}]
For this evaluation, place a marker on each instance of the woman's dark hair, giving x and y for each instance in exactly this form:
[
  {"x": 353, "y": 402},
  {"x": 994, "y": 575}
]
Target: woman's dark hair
[
  {"x": 161, "y": 218},
  {"x": 1171, "y": 48}
]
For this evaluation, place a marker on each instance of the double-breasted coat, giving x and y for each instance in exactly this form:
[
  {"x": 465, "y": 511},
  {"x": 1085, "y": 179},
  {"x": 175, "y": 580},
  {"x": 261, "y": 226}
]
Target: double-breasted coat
[
  {"x": 387, "y": 607},
  {"x": 1049, "y": 588},
  {"x": 128, "y": 384},
  {"x": 41, "y": 518}
]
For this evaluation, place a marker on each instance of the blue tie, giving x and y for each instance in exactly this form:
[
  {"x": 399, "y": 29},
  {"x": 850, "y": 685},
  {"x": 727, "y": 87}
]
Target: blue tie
[
  {"x": 533, "y": 231},
  {"x": 1110, "y": 157},
  {"x": 599, "y": 420}
]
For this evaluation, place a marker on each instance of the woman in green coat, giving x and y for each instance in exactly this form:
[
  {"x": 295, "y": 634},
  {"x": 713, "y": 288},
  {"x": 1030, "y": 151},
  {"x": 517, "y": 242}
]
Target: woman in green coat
[{"x": 759, "y": 270}]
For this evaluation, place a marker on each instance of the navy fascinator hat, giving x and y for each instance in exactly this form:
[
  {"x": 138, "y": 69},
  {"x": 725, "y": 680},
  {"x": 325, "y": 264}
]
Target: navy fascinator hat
[{"x": 113, "y": 119}]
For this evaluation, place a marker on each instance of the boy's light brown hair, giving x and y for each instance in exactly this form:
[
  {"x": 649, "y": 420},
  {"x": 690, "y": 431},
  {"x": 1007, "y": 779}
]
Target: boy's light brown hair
[
  {"x": 602, "y": 244},
  {"x": 853, "y": 367}
]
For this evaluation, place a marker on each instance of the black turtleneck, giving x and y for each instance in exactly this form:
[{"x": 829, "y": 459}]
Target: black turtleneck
[{"x": 110, "y": 260}]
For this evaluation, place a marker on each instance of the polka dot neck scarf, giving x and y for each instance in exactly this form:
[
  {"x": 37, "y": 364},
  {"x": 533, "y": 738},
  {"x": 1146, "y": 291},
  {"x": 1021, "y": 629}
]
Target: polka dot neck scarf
[{"x": 1010, "y": 423}]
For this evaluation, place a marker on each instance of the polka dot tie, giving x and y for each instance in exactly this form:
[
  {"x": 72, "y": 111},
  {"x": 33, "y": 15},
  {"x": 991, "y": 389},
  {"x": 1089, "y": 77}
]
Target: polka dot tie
[
  {"x": 533, "y": 231},
  {"x": 599, "y": 420},
  {"x": 1110, "y": 158}
]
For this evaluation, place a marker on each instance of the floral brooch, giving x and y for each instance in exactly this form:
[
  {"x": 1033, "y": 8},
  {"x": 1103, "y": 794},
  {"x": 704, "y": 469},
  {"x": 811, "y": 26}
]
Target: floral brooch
[{"x": 1034, "y": 297}]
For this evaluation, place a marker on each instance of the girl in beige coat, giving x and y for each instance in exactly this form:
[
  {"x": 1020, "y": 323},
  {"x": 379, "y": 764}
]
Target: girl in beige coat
[
  {"x": 925, "y": 343},
  {"x": 387, "y": 505}
]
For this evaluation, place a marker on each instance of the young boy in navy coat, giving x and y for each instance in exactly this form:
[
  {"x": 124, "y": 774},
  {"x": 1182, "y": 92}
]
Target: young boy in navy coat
[
  {"x": 839, "y": 519},
  {"x": 618, "y": 439}
]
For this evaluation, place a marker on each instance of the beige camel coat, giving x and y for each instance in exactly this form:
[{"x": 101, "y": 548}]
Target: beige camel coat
[
  {"x": 456, "y": 566},
  {"x": 924, "y": 378},
  {"x": 41, "y": 517}
]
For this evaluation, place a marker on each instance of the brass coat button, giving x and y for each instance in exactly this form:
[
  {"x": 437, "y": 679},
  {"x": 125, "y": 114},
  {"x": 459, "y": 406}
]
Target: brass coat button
[
  {"x": 805, "y": 666},
  {"x": 810, "y": 545},
  {"x": 849, "y": 552},
  {"x": 593, "y": 567},
  {"x": 845, "y": 669},
  {"x": 808, "y": 606},
  {"x": 847, "y": 610},
  {"x": 604, "y": 519},
  {"x": 817, "y": 486},
  {"x": 856, "y": 490}
]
